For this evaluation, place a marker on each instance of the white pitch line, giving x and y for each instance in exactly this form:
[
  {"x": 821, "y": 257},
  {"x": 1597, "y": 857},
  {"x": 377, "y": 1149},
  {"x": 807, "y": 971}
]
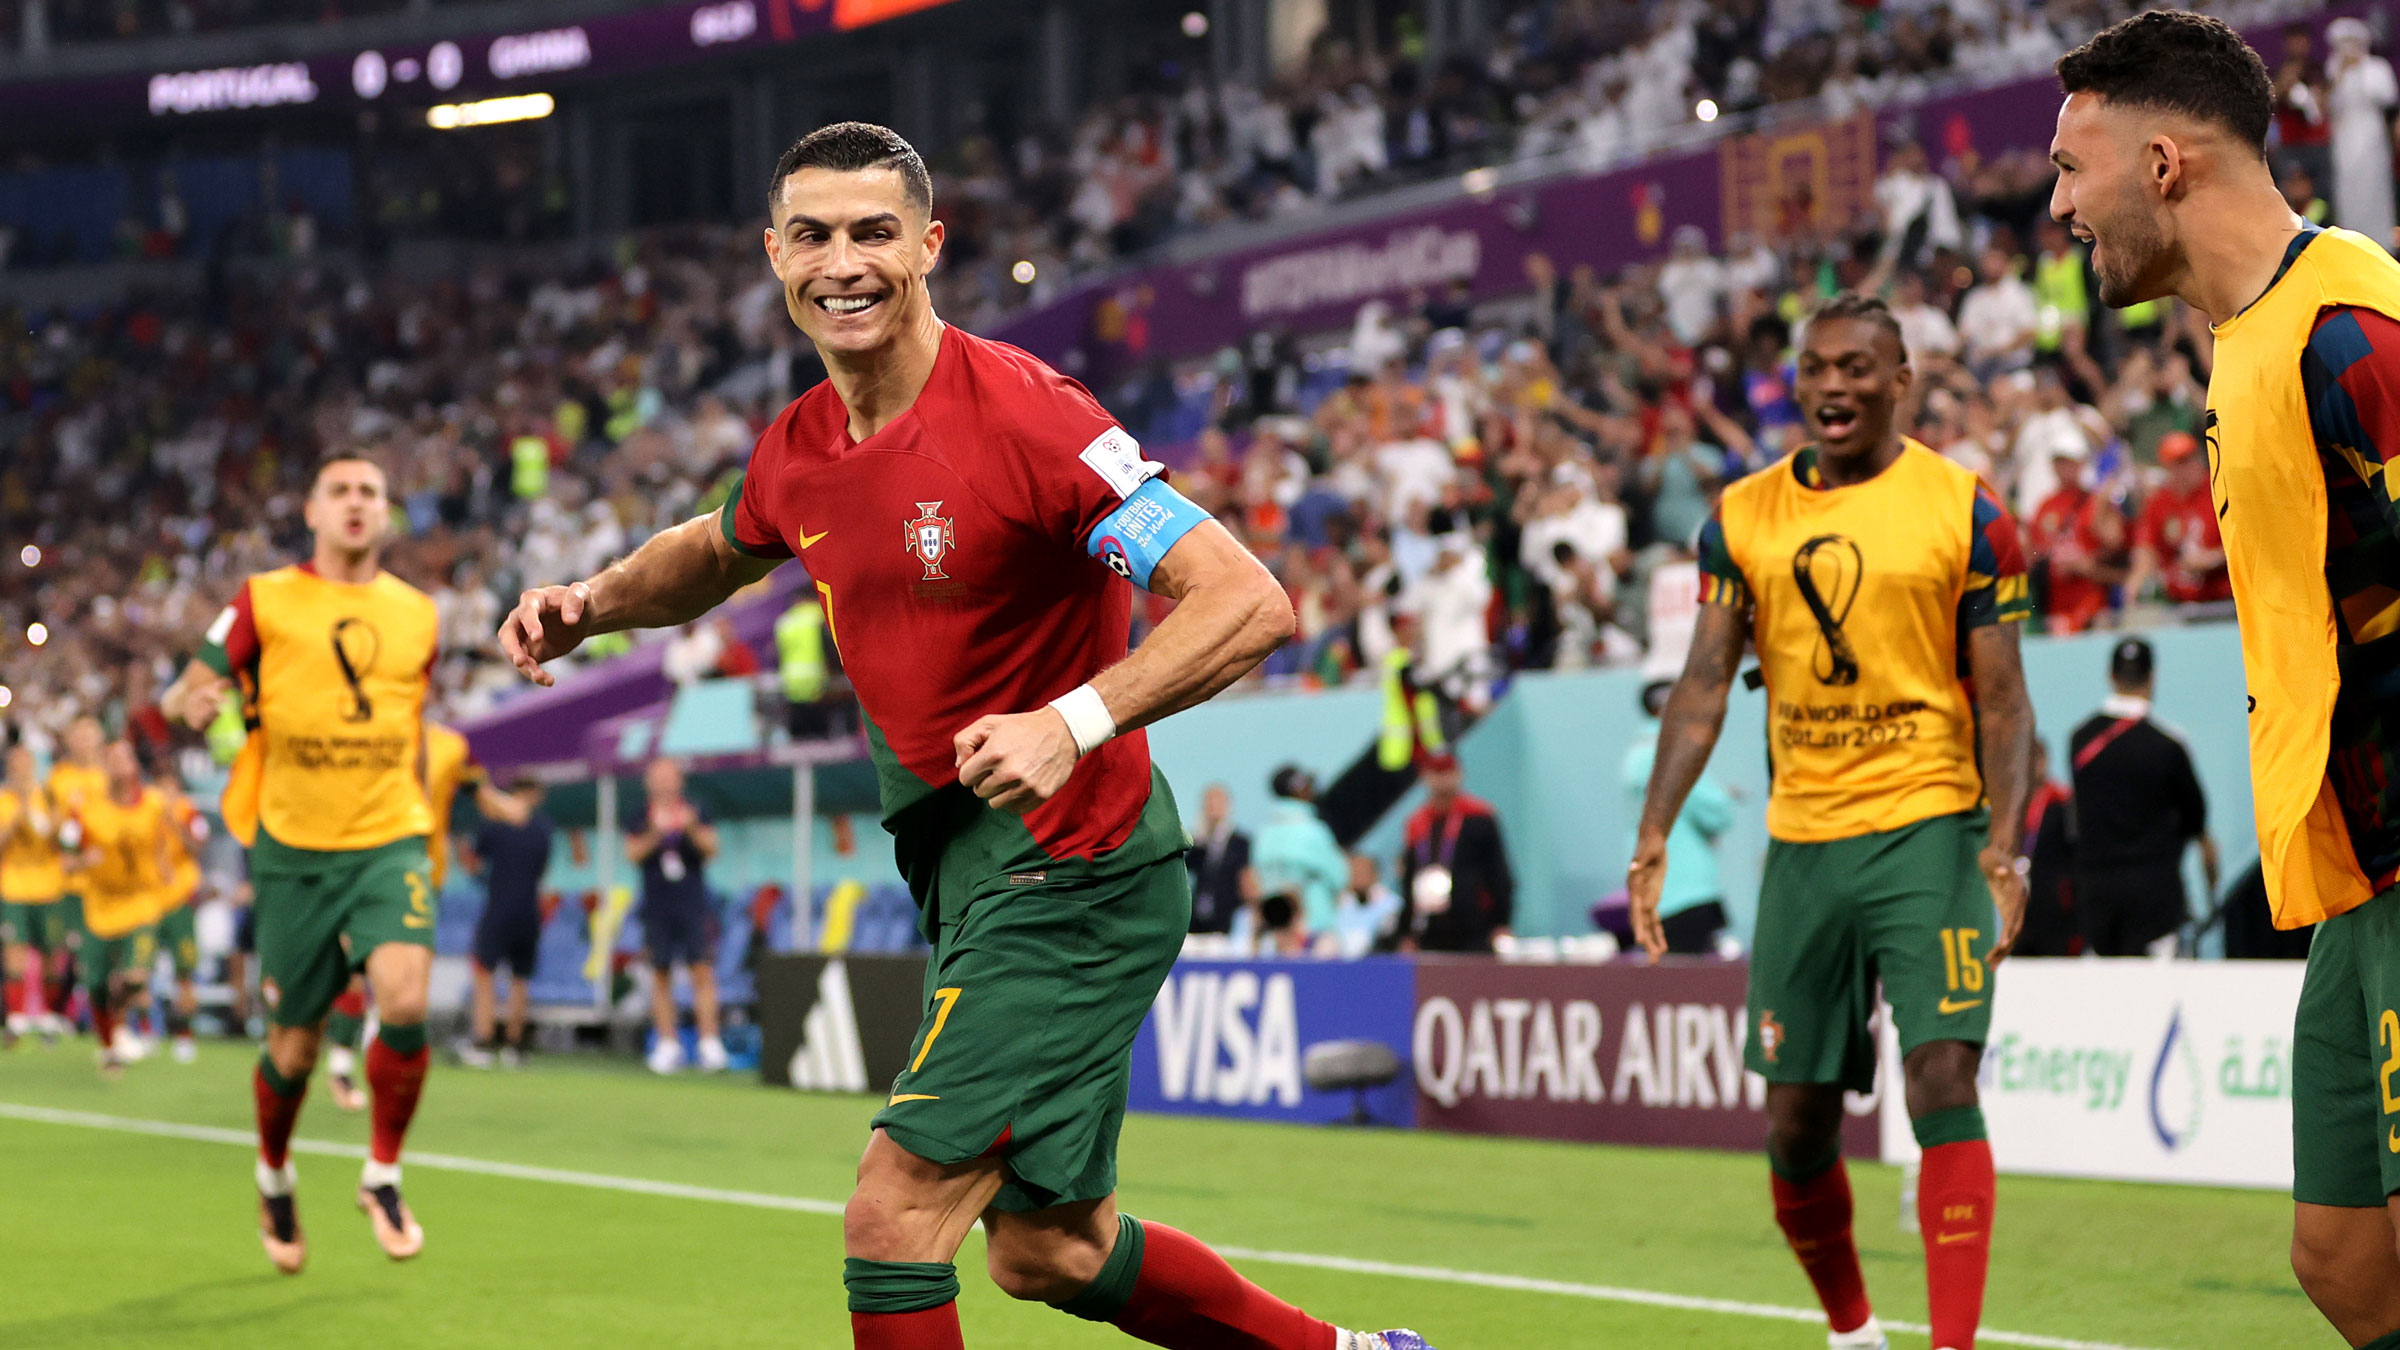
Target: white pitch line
[{"x": 446, "y": 1162}]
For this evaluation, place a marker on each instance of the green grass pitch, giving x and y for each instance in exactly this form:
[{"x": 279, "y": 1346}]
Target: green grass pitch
[{"x": 115, "y": 1239}]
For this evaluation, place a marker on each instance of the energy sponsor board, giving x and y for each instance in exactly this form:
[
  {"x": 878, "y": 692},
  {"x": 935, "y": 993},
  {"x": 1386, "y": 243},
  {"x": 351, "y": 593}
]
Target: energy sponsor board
[
  {"x": 2136, "y": 1070},
  {"x": 1227, "y": 1038},
  {"x": 1621, "y": 1053}
]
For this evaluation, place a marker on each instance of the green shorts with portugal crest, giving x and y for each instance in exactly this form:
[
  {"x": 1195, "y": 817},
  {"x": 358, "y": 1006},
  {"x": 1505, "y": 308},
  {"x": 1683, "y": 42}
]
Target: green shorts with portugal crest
[
  {"x": 1041, "y": 973},
  {"x": 2346, "y": 1061},
  {"x": 1906, "y": 907},
  {"x": 319, "y": 913}
]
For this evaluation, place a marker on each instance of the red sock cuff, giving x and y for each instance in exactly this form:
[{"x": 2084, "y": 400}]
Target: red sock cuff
[
  {"x": 1815, "y": 1216},
  {"x": 925, "y": 1329},
  {"x": 1187, "y": 1298},
  {"x": 394, "y": 1081},
  {"x": 1955, "y": 1193}
]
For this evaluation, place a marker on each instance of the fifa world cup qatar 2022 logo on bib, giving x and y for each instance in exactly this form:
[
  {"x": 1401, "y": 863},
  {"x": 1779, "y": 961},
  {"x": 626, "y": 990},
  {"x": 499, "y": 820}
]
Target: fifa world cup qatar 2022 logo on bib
[
  {"x": 1827, "y": 570},
  {"x": 929, "y": 539}
]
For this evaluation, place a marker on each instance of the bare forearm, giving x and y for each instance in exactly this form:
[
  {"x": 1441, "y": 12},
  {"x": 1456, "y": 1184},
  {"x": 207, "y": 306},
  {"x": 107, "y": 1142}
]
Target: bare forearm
[
  {"x": 679, "y": 575},
  {"x": 2007, "y": 743},
  {"x": 1217, "y": 634}
]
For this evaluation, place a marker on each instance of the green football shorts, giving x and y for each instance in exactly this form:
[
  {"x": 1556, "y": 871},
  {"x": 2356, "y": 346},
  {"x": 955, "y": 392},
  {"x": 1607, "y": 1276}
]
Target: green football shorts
[
  {"x": 41, "y": 926},
  {"x": 1041, "y": 974},
  {"x": 1908, "y": 907},
  {"x": 320, "y": 913},
  {"x": 179, "y": 934},
  {"x": 2346, "y": 1061},
  {"x": 129, "y": 954}
]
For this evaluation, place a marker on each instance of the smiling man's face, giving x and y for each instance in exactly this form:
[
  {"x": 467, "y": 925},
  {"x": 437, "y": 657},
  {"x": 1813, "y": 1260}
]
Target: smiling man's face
[
  {"x": 2103, "y": 198},
  {"x": 853, "y": 253}
]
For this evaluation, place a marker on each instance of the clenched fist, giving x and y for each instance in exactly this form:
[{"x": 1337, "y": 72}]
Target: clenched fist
[
  {"x": 547, "y": 623},
  {"x": 1019, "y": 761}
]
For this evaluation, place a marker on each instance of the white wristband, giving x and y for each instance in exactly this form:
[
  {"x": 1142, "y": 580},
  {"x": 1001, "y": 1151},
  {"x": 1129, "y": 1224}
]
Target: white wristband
[{"x": 1087, "y": 718}]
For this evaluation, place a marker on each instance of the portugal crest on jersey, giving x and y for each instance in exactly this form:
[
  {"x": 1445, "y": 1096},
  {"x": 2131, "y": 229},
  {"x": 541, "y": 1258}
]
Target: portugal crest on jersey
[{"x": 929, "y": 538}]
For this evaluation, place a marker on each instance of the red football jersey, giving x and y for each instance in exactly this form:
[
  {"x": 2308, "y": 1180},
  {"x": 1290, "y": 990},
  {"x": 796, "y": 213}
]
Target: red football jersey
[{"x": 949, "y": 549}]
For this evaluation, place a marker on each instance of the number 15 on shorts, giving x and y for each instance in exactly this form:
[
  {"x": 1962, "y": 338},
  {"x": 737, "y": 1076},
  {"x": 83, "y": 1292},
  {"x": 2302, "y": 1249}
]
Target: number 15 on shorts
[{"x": 1961, "y": 970}]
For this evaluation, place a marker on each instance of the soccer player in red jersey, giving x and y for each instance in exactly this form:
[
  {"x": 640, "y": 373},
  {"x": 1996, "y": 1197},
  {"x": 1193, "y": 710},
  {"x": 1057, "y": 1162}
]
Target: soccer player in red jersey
[{"x": 971, "y": 518}]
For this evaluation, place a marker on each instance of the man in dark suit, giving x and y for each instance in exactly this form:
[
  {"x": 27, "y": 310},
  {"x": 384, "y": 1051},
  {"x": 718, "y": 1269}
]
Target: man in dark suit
[
  {"x": 2138, "y": 805},
  {"x": 1219, "y": 856}
]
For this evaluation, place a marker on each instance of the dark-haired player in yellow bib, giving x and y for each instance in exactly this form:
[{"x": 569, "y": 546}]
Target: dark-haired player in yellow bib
[
  {"x": 335, "y": 653},
  {"x": 1882, "y": 585},
  {"x": 2162, "y": 164},
  {"x": 121, "y": 839}
]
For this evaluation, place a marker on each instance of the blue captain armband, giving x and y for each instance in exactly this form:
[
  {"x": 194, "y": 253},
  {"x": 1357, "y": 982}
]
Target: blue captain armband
[{"x": 1141, "y": 530}]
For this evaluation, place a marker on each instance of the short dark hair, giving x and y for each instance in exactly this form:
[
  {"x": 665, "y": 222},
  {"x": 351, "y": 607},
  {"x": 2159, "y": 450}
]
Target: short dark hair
[
  {"x": 2132, "y": 662},
  {"x": 855, "y": 147},
  {"x": 1868, "y": 308},
  {"x": 351, "y": 457},
  {"x": 2175, "y": 61}
]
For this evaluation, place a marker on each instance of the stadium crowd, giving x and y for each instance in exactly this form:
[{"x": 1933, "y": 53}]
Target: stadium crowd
[{"x": 1489, "y": 489}]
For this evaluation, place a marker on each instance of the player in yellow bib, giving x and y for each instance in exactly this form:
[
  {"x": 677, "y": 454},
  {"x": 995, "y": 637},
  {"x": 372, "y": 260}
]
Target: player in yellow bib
[
  {"x": 2162, "y": 165},
  {"x": 121, "y": 839},
  {"x": 75, "y": 778},
  {"x": 1882, "y": 585},
  {"x": 336, "y": 653},
  {"x": 33, "y": 875}
]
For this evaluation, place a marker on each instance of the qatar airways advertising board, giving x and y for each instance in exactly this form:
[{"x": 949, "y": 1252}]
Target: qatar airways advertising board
[{"x": 1620, "y": 1053}]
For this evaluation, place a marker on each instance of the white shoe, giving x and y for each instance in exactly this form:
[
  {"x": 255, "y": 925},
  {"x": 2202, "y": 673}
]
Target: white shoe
[
  {"x": 129, "y": 1046},
  {"x": 511, "y": 1058},
  {"x": 471, "y": 1055},
  {"x": 712, "y": 1055},
  {"x": 20, "y": 1024},
  {"x": 186, "y": 1051},
  {"x": 1868, "y": 1336},
  {"x": 665, "y": 1057}
]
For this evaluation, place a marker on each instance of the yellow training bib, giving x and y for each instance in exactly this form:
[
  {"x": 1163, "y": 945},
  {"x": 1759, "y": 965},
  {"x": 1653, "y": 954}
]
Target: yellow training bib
[
  {"x": 2271, "y": 510},
  {"x": 1855, "y": 594}
]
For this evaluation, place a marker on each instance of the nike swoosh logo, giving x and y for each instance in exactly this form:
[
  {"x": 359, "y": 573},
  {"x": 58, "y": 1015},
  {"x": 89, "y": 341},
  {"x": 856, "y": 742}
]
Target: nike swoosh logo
[
  {"x": 911, "y": 1097},
  {"x": 1948, "y": 1239},
  {"x": 808, "y": 540},
  {"x": 1948, "y": 1006}
]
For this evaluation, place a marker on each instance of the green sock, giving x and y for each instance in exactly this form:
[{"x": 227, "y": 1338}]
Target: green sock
[
  {"x": 1112, "y": 1288},
  {"x": 898, "y": 1286},
  {"x": 342, "y": 1029},
  {"x": 276, "y": 1082},
  {"x": 1956, "y": 1125},
  {"x": 402, "y": 1040}
]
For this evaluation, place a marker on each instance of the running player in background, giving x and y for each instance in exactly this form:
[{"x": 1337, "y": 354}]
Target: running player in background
[
  {"x": 969, "y": 517},
  {"x": 337, "y": 652},
  {"x": 178, "y": 926},
  {"x": 1882, "y": 586},
  {"x": 33, "y": 875},
  {"x": 75, "y": 777},
  {"x": 121, "y": 840},
  {"x": 2162, "y": 166}
]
